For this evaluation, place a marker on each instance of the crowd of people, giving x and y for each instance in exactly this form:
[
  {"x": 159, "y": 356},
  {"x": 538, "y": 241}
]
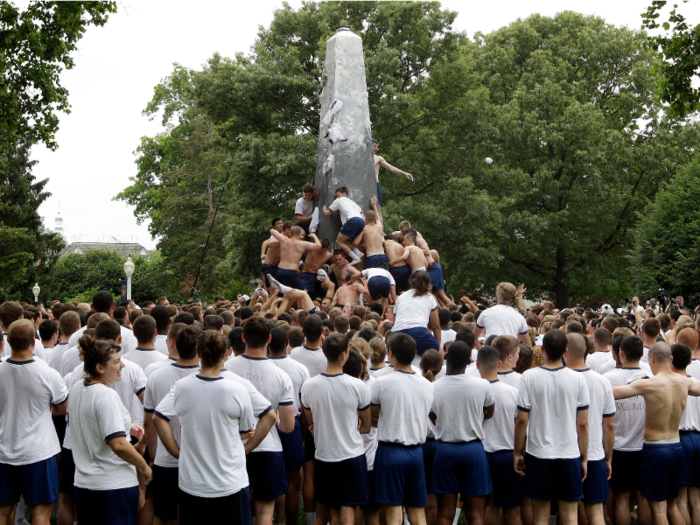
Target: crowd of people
[{"x": 367, "y": 394}]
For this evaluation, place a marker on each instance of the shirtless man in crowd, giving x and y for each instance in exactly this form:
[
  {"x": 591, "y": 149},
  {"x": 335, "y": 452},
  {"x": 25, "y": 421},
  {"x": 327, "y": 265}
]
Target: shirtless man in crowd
[
  {"x": 663, "y": 462},
  {"x": 341, "y": 269},
  {"x": 398, "y": 267},
  {"x": 412, "y": 254},
  {"x": 350, "y": 293},
  {"x": 271, "y": 249},
  {"x": 312, "y": 272},
  {"x": 291, "y": 250},
  {"x": 373, "y": 237}
]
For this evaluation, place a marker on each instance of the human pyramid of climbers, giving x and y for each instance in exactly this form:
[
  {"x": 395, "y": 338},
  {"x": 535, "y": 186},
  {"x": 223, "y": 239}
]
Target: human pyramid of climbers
[{"x": 355, "y": 393}]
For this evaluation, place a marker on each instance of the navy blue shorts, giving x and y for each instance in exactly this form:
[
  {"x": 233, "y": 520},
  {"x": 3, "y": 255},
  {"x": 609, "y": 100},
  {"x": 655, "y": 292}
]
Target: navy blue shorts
[
  {"x": 309, "y": 446},
  {"x": 691, "y": 450},
  {"x": 372, "y": 504},
  {"x": 288, "y": 278},
  {"x": 429, "y": 449},
  {"x": 165, "y": 492},
  {"x": 107, "y": 507},
  {"x": 379, "y": 193},
  {"x": 343, "y": 483},
  {"x": 37, "y": 482},
  {"x": 378, "y": 287},
  {"x": 268, "y": 477},
  {"x": 401, "y": 275},
  {"x": 304, "y": 226},
  {"x": 227, "y": 509},
  {"x": 662, "y": 470},
  {"x": 372, "y": 261},
  {"x": 67, "y": 471},
  {"x": 400, "y": 475},
  {"x": 507, "y": 484},
  {"x": 308, "y": 282},
  {"x": 268, "y": 269},
  {"x": 595, "y": 486},
  {"x": 558, "y": 479},
  {"x": 292, "y": 447},
  {"x": 461, "y": 468},
  {"x": 423, "y": 338},
  {"x": 626, "y": 470},
  {"x": 436, "y": 277},
  {"x": 353, "y": 227}
]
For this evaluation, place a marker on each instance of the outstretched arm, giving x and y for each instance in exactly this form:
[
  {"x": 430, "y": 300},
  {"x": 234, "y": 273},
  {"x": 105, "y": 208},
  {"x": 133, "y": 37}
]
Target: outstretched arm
[
  {"x": 277, "y": 235},
  {"x": 393, "y": 169},
  {"x": 635, "y": 388},
  {"x": 326, "y": 211}
]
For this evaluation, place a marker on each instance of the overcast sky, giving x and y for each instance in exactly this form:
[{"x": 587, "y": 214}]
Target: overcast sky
[{"x": 118, "y": 65}]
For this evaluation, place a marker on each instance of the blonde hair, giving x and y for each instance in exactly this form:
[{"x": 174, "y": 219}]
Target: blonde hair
[
  {"x": 378, "y": 350},
  {"x": 508, "y": 293},
  {"x": 361, "y": 347},
  {"x": 431, "y": 364}
]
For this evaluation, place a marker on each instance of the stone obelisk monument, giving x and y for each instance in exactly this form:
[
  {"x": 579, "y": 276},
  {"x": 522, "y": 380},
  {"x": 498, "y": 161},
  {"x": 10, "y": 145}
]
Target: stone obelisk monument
[{"x": 344, "y": 156}]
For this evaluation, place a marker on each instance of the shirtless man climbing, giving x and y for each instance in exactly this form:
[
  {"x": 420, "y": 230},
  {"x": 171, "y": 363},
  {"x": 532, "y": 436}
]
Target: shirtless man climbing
[
  {"x": 412, "y": 254},
  {"x": 291, "y": 250},
  {"x": 341, "y": 269},
  {"x": 398, "y": 267},
  {"x": 373, "y": 237},
  {"x": 271, "y": 250},
  {"x": 312, "y": 272},
  {"x": 350, "y": 293},
  {"x": 380, "y": 162},
  {"x": 433, "y": 264},
  {"x": 665, "y": 396}
]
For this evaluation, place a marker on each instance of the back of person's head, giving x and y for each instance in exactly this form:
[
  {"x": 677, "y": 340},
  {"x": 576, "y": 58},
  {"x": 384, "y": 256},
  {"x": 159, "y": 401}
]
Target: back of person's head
[
  {"x": 49, "y": 328},
  {"x": 420, "y": 282},
  {"x": 256, "y": 331},
  {"x": 341, "y": 324},
  {"x": 107, "y": 329},
  {"x": 174, "y": 330},
  {"x": 466, "y": 336},
  {"x": 602, "y": 336},
  {"x": 508, "y": 292},
  {"x": 353, "y": 365},
  {"x": 211, "y": 346},
  {"x": 445, "y": 316},
  {"x": 10, "y": 311},
  {"x": 161, "y": 316},
  {"x": 95, "y": 318},
  {"x": 186, "y": 341},
  {"x": 334, "y": 312},
  {"x": 333, "y": 346},
  {"x": 119, "y": 313},
  {"x": 97, "y": 353},
  {"x": 184, "y": 318},
  {"x": 376, "y": 307},
  {"x": 431, "y": 364},
  {"x": 506, "y": 345},
  {"x": 687, "y": 336},
  {"x": 227, "y": 317},
  {"x": 20, "y": 336},
  {"x": 312, "y": 328},
  {"x": 235, "y": 340},
  {"x": 661, "y": 352},
  {"x": 367, "y": 333},
  {"x": 145, "y": 329},
  {"x": 575, "y": 346},
  {"x": 102, "y": 301},
  {"x": 215, "y": 321},
  {"x": 488, "y": 358},
  {"x": 651, "y": 328},
  {"x": 574, "y": 327},
  {"x": 665, "y": 321},
  {"x": 278, "y": 341},
  {"x": 354, "y": 322},
  {"x": 681, "y": 356},
  {"x": 295, "y": 337},
  {"x": 458, "y": 355},
  {"x": 632, "y": 346},
  {"x": 69, "y": 323},
  {"x": 378, "y": 348},
  {"x": 554, "y": 344},
  {"x": 403, "y": 348},
  {"x": 610, "y": 323},
  {"x": 246, "y": 313},
  {"x": 525, "y": 359}
]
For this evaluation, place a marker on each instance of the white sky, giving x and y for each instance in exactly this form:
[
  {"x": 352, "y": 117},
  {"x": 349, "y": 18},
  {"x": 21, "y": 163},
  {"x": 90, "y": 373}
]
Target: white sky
[{"x": 118, "y": 66}]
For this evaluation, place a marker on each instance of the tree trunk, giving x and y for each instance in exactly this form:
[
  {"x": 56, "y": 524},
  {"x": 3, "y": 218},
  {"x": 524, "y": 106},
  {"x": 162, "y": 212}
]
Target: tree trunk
[{"x": 561, "y": 289}]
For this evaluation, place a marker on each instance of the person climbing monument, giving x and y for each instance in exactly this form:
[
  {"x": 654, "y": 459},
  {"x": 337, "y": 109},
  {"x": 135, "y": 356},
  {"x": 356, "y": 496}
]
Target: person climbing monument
[{"x": 380, "y": 162}]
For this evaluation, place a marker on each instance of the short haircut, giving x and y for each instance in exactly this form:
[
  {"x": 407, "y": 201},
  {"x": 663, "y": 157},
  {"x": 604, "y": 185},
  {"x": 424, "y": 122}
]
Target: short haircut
[
  {"x": 174, "y": 330},
  {"x": 102, "y": 301},
  {"x": 341, "y": 324},
  {"x": 688, "y": 336},
  {"x": 467, "y": 336},
  {"x": 119, "y": 313},
  {"x": 214, "y": 321},
  {"x": 295, "y": 231},
  {"x": 661, "y": 352},
  {"x": 367, "y": 333},
  {"x": 186, "y": 342},
  {"x": 211, "y": 346},
  {"x": 69, "y": 323},
  {"x": 354, "y": 322},
  {"x": 458, "y": 355},
  {"x": 107, "y": 329},
  {"x": 610, "y": 323},
  {"x": 312, "y": 328},
  {"x": 602, "y": 336},
  {"x": 10, "y": 311},
  {"x": 445, "y": 316},
  {"x": 487, "y": 358},
  {"x": 574, "y": 327},
  {"x": 227, "y": 317},
  {"x": 235, "y": 340},
  {"x": 20, "y": 336},
  {"x": 651, "y": 328},
  {"x": 370, "y": 216},
  {"x": 342, "y": 189},
  {"x": 308, "y": 188},
  {"x": 96, "y": 318},
  {"x": 359, "y": 311},
  {"x": 333, "y": 346},
  {"x": 681, "y": 356},
  {"x": 576, "y": 345},
  {"x": 633, "y": 347},
  {"x": 278, "y": 341},
  {"x": 161, "y": 316},
  {"x": 144, "y": 328},
  {"x": 403, "y": 348},
  {"x": 184, "y": 318},
  {"x": 506, "y": 345},
  {"x": 246, "y": 313},
  {"x": 554, "y": 344},
  {"x": 295, "y": 337},
  {"x": 353, "y": 365},
  {"x": 256, "y": 331},
  {"x": 49, "y": 328}
]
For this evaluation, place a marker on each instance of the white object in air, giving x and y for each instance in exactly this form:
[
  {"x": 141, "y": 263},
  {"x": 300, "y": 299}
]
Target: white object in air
[
  {"x": 329, "y": 164},
  {"x": 489, "y": 160}
]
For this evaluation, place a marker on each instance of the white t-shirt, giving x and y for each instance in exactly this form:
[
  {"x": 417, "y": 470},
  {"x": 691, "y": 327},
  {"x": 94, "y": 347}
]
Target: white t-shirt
[
  {"x": 693, "y": 369},
  {"x": 502, "y": 320},
  {"x": 511, "y": 377},
  {"x": 69, "y": 360},
  {"x": 312, "y": 358},
  {"x": 27, "y": 391},
  {"x": 405, "y": 401},
  {"x": 70, "y": 380},
  {"x": 261, "y": 405},
  {"x": 378, "y": 272},
  {"x": 552, "y": 431},
  {"x": 691, "y": 415},
  {"x": 459, "y": 404},
  {"x": 213, "y": 413},
  {"x": 499, "y": 431},
  {"x": 55, "y": 356},
  {"x": 388, "y": 369},
  {"x": 96, "y": 416},
  {"x": 370, "y": 440},
  {"x": 413, "y": 312},
  {"x": 161, "y": 344},
  {"x": 447, "y": 336},
  {"x": 158, "y": 386},
  {"x": 39, "y": 350},
  {"x": 297, "y": 372},
  {"x": 645, "y": 357},
  {"x": 272, "y": 382},
  {"x": 334, "y": 401},
  {"x": 128, "y": 339},
  {"x": 602, "y": 406},
  {"x": 608, "y": 366},
  {"x": 347, "y": 208},
  {"x": 132, "y": 384},
  {"x": 630, "y": 413},
  {"x": 158, "y": 365},
  {"x": 145, "y": 356},
  {"x": 595, "y": 360},
  {"x": 303, "y": 207}
]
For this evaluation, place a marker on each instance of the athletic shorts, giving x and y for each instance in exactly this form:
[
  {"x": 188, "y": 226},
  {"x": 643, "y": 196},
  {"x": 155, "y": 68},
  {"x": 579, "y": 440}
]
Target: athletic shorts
[
  {"x": 507, "y": 484},
  {"x": 37, "y": 482},
  {"x": 379, "y": 193},
  {"x": 227, "y": 509},
  {"x": 595, "y": 486},
  {"x": 436, "y": 277},
  {"x": 288, "y": 277},
  {"x": 401, "y": 275},
  {"x": 304, "y": 226},
  {"x": 353, "y": 227},
  {"x": 690, "y": 441},
  {"x": 662, "y": 469},
  {"x": 372, "y": 261},
  {"x": 626, "y": 470},
  {"x": 400, "y": 475},
  {"x": 429, "y": 449},
  {"x": 165, "y": 492},
  {"x": 372, "y": 504},
  {"x": 308, "y": 282},
  {"x": 107, "y": 507},
  {"x": 268, "y": 269},
  {"x": 342, "y": 483},
  {"x": 378, "y": 287},
  {"x": 67, "y": 471},
  {"x": 553, "y": 479},
  {"x": 268, "y": 477},
  {"x": 461, "y": 468},
  {"x": 423, "y": 338},
  {"x": 292, "y": 447},
  {"x": 309, "y": 446}
]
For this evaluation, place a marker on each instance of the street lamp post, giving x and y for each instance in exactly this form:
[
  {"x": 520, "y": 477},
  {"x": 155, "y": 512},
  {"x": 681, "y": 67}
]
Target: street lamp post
[
  {"x": 129, "y": 268},
  {"x": 36, "y": 290}
]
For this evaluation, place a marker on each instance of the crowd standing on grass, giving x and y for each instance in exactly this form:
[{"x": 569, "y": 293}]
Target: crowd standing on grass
[{"x": 348, "y": 384}]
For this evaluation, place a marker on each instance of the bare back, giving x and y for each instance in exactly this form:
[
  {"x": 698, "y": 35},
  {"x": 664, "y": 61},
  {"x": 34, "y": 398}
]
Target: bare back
[
  {"x": 665, "y": 395},
  {"x": 292, "y": 251},
  {"x": 316, "y": 259},
  {"x": 416, "y": 259},
  {"x": 272, "y": 256},
  {"x": 373, "y": 235},
  {"x": 348, "y": 293},
  {"x": 394, "y": 250}
]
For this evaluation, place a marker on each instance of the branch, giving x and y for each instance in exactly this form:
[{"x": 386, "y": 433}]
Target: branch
[
  {"x": 530, "y": 266},
  {"x": 401, "y": 130}
]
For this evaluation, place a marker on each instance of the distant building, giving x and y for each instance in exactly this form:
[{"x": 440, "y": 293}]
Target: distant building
[{"x": 59, "y": 226}]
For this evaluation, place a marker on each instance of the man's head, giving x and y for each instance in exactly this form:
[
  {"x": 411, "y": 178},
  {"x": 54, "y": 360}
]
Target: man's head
[
  {"x": 467, "y": 336},
  {"x": 48, "y": 331},
  {"x": 145, "y": 329},
  {"x": 312, "y": 328},
  {"x": 69, "y": 323},
  {"x": 554, "y": 344},
  {"x": 659, "y": 356},
  {"x": 235, "y": 340},
  {"x": 602, "y": 338},
  {"x": 681, "y": 356},
  {"x": 444, "y": 315},
  {"x": 487, "y": 360},
  {"x": 335, "y": 348},
  {"x": 295, "y": 232},
  {"x": 375, "y": 146},
  {"x": 20, "y": 336},
  {"x": 370, "y": 217},
  {"x": 163, "y": 301},
  {"x": 256, "y": 332},
  {"x": 108, "y": 329},
  {"x": 403, "y": 348},
  {"x": 458, "y": 356},
  {"x": 339, "y": 257},
  {"x": 277, "y": 224},
  {"x": 161, "y": 316},
  {"x": 10, "y": 311},
  {"x": 409, "y": 239},
  {"x": 186, "y": 342},
  {"x": 103, "y": 301},
  {"x": 575, "y": 347},
  {"x": 651, "y": 329},
  {"x": 308, "y": 192},
  {"x": 341, "y": 192},
  {"x": 341, "y": 324},
  {"x": 278, "y": 341},
  {"x": 687, "y": 336},
  {"x": 508, "y": 349},
  {"x": 631, "y": 349}
]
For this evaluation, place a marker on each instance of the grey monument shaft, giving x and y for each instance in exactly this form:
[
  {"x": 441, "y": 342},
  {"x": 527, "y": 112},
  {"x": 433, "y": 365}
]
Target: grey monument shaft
[{"x": 345, "y": 134}]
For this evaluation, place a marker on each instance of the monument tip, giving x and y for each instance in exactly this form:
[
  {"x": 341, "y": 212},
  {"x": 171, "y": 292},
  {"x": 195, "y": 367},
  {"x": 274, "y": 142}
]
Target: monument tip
[{"x": 342, "y": 28}]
